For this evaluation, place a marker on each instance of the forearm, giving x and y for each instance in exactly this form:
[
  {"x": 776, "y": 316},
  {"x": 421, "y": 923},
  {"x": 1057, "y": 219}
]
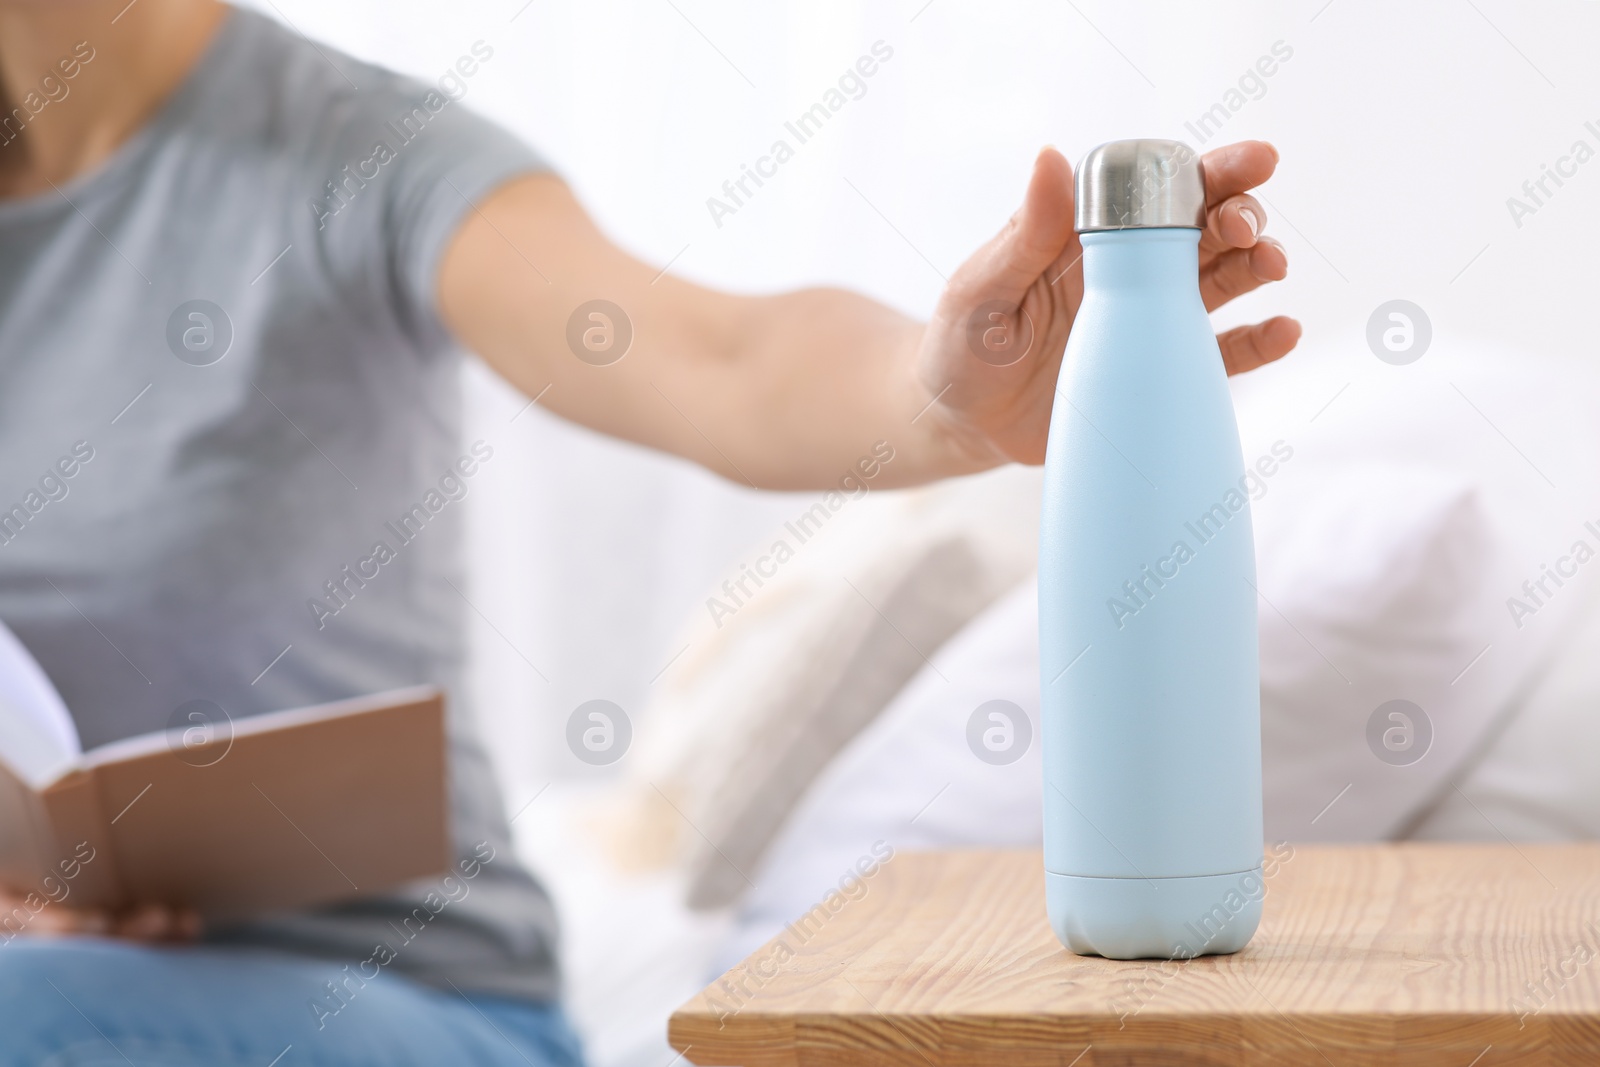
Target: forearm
[
  {"x": 820, "y": 377},
  {"x": 775, "y": 392}
]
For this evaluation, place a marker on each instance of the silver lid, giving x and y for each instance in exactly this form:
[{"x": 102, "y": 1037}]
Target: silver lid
[{"x": 1138, "y": 184}]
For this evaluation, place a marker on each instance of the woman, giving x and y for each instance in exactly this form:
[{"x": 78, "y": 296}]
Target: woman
[{"x": 234, "y": 268}]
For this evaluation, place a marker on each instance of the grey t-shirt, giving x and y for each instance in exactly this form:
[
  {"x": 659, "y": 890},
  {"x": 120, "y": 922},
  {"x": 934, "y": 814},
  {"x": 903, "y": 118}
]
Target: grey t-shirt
[{"x": 227, "y": 335}]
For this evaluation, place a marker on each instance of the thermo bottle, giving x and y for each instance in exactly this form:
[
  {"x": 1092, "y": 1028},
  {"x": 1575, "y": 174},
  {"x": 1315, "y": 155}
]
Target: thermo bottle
[{"x": 1147, "y": 602}]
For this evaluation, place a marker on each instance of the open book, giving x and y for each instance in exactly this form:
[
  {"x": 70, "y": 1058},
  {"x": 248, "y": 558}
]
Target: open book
[{"x": 233, "y": 818}]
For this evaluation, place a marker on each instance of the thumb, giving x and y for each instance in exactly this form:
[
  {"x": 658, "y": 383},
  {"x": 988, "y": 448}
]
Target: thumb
[{"x": 1033, "y": 238}]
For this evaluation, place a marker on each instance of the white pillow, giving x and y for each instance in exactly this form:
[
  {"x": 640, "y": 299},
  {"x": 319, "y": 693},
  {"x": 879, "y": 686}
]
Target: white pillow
[
  {"x": 761, "y": 701},
  {"x": 1419, "y": 500},
  {"x": 1536, "y": 780},
  {"x": 1378, "y": 586},
  {"x": 910, "y": 780},
  {"x": 785, "y": 717}
]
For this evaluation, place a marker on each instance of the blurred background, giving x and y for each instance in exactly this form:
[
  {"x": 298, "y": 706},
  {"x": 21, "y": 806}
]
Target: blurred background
[
  {"x": 1406, "y": 130},
  {"x": 1403, "y": 130}
]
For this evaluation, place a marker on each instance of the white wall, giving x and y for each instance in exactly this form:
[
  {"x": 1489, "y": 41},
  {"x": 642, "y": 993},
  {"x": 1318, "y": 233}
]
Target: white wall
[{"x": 1403, "y": 127}]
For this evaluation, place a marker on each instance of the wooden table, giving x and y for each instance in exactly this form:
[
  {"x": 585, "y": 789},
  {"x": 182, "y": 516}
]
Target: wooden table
[{"x": 1457, "y": 955}]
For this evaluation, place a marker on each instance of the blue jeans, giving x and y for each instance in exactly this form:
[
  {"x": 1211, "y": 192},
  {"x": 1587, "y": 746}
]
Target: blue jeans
[{"x": 82, "y": 1002}]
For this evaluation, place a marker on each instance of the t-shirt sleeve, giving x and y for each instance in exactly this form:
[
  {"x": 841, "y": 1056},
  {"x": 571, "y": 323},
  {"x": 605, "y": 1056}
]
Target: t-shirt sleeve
[
  {"x": 431, "y": 161},
  {"x": 463, "y": 158}
]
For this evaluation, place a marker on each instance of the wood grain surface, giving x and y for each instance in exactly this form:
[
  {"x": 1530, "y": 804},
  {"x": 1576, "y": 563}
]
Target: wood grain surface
[{"x": 1450, "y": 955}]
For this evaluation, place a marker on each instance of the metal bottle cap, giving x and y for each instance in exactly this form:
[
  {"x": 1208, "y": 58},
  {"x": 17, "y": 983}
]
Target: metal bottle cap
[{"x": 1138, "y": 184}]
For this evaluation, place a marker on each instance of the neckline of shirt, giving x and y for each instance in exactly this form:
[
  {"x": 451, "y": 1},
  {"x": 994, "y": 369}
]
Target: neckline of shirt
[{"x": 83, "y": 187}]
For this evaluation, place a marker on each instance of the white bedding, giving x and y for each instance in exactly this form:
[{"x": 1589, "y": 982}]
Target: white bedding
[{"x": 631, "y": 950}]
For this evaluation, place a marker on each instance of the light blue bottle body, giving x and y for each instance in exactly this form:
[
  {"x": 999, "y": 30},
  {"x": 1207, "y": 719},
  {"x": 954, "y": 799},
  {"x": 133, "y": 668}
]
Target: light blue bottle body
[{"x": 1147, "y": 621}]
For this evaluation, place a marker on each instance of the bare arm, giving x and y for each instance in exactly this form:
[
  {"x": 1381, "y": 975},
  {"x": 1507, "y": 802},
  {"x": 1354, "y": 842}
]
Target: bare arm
[
  {"x": 789, "y": 391},
  {"x": 780, "y": 392}
]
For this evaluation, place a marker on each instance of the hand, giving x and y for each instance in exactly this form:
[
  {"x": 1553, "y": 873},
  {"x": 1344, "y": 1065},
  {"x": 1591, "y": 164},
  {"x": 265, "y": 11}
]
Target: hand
[
  {"x": 1035, "y": 264},
  {"x": 35, "y": 915}
]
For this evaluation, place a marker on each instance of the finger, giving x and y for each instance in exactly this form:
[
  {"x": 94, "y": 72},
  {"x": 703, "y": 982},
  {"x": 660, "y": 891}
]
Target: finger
[
  {"x": 1245, "y": 348},
  {"x": 1237, "y": 222},
  {"x": 187, "y": 925},
  {"x": 1235, "y": 168},
  {"x": 147, "y": 922},
  {"x": 1030, "y": 242},
  {"x": 1238, "y": 271},
  {"x": 57, "y": 921}
]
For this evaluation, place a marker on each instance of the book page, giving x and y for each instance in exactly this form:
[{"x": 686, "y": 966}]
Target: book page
[
  {"x": 37, "y": 736},
  {"x": 267, "y": 722}
]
